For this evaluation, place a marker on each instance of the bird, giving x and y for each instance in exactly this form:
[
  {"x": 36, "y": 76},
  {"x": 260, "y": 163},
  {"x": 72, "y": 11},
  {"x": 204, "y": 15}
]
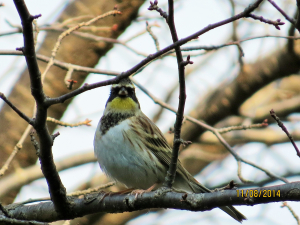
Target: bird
[{"x": 132, "y": 150}]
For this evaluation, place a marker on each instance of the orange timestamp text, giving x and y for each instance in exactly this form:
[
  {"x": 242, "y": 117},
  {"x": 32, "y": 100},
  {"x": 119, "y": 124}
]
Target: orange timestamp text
[{"x": 258, "y": 193}]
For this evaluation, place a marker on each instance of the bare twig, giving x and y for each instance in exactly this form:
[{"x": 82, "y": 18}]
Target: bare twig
[
  {"x": 91, "y": 190},
  {"x": 55, "y": 135},
  {"x": 276, "y": 23},
  {"x": 140, "y": 33},
  {"x": 21, "y": 114},
  {"x": 73, "y": 194},
  {"x": 75, "y": 19},
  {"x": 291, "y": 20},
  {"x": 17, "y": 147},
  {"x": 243, "y": 127},
  {"x": 69, "y": 31},
  {"x": 239, "y": 173},
  {"x": 285, "y": 130},
  {"x": 84, "y": 35},
  {"x": 144, "y": 62},
  {"x": 86, "y": 122},
  {"x": 67, "y": 66},
  {"x": 170, "y": 177},
  {"x": 285, "y": 204},
  {"x": 68, "y": 78},
  {"x": 153, "y": 6},
  {"x": 148, "y": 28}
]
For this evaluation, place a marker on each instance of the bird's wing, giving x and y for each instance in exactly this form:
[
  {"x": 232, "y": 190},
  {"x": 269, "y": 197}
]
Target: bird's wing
[{"x": 155, "y": 141}]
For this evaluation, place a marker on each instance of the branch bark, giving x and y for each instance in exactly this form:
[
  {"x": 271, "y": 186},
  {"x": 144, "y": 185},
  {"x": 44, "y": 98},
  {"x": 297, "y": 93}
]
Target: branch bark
[{"x": 98, "y": 202}]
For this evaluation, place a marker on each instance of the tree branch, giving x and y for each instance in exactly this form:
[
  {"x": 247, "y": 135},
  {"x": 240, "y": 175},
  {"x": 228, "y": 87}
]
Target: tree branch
[
  {"x": 285, "y": 130},
  {"x": 170, "y": 176},
  {"x": 21, "y": 114},
  {"x": 56, "y": 188},
  {"x": 86, "y": 87},
  {"x": 101, "y": 202}
]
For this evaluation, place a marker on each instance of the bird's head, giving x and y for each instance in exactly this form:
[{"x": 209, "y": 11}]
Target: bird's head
[{"x": 122, "y": 97}]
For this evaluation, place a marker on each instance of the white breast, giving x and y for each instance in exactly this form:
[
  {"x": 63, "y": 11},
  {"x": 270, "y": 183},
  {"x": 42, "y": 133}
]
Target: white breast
[{"x": 124, "y": 161}]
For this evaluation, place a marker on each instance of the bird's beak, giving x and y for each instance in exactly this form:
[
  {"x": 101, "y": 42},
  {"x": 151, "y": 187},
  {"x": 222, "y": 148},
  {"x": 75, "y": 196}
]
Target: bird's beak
[{"x": 123, "y": 92}]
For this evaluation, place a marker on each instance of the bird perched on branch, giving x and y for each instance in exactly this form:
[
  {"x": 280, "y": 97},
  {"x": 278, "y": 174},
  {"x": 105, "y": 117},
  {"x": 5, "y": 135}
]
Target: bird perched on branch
[{"x": 132, "y": 150}]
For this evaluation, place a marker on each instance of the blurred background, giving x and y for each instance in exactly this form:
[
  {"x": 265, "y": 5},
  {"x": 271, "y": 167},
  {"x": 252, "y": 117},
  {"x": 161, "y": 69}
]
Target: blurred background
[{"x": 224, "y": 89}]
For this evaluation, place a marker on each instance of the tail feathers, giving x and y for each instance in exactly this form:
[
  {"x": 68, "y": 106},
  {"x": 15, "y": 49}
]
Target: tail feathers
[{"x": 231, "y": 211}]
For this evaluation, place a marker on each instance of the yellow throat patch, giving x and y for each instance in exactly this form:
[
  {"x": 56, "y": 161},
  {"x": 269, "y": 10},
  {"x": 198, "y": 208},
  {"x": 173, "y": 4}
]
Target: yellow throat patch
[{"x": 122, "y": 104}]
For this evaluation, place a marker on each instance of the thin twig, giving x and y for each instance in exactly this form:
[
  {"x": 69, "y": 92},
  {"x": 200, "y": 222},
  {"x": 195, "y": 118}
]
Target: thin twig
[
  {"x": 151, "y": 57},
  {"x": 140, "y": 33},
  {"x": 73, "y": 194},
  {"x": 17, "y": 148},
  {"x": 285, "y": 130},
  {"x": 69, "y": 31},
  {"x": 21, "y": 114},
  {"x": 68, "y": 78},
  {"x": 67, "y": 66},
  {"x": 291, "y": 20},
  {"x": 284, "y": 204},
  {"x": 75, "y": 19},
  {"x": 170, "y": 177},
  {"x": 86, "y": 122},
  {"x": 243, "y": 127},
  {"x": 276, "y": 23},
  {"x": 148, "y": 28},
  {"x": 239, "y": 173},
  {"x": 153, "y": 6},
  {"x": 55, "y": 135},
  {"x": 91, "y": 190}
]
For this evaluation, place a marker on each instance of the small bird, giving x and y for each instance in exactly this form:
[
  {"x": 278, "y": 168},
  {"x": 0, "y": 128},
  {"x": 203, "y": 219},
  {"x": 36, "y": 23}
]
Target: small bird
[{"x": 132, "y": 150}]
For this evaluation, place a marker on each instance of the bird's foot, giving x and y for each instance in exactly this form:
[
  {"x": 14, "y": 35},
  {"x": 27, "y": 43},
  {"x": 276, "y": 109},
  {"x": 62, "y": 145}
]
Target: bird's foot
[
  {"x": 138, "y": 192},
  {"x": 163, "y": 190}
]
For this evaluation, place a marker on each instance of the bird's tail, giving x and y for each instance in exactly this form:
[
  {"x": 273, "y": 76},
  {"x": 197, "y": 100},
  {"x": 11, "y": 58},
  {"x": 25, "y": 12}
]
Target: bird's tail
[
  {"x": 230, "y": 210},
  {"x": 234, "y": 213}
]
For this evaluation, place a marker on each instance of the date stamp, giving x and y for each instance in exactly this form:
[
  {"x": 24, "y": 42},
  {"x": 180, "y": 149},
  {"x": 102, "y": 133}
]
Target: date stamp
[{"x": 258, "y": 194}]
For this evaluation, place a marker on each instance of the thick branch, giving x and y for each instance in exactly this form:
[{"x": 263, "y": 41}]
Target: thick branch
[
  {"x": 29, "y": 51},
  {"x": 56, "y": 188},
  {"x": 97, "y": 202}
]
